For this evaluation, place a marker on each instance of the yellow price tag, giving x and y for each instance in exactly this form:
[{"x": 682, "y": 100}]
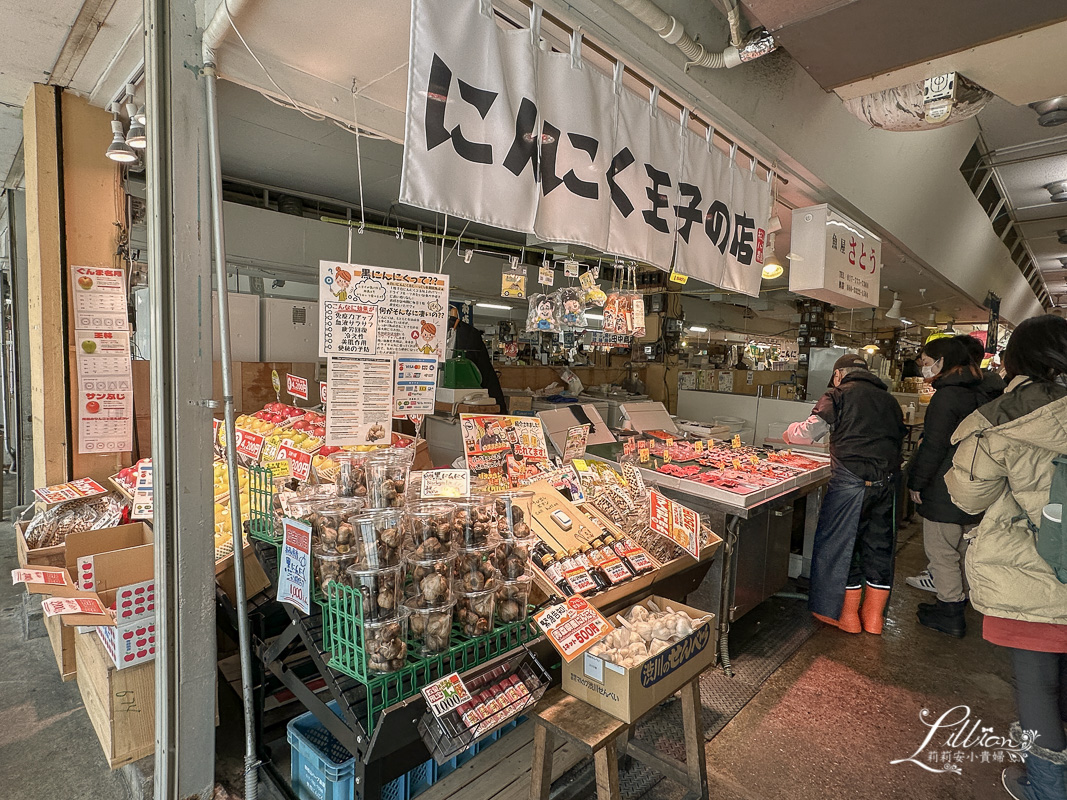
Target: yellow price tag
[
  {"x": 666, "y": 455},
  {"x": 270, "y": 447},
  {"x": 275, "y": 381},
  {"x": 737, "y": 463},
  {"x": 580, "y": 465},
  {"x": 677, "y": 277},
  {"x": 278, "y": 469},
  {"x": 753, "y": 460},
  {"x": 735, "y": 443},
  {"x": 698, "y": 445},
  {"x": 642, "y": 453}
]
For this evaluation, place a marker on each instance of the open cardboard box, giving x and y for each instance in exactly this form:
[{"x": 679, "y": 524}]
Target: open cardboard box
[
  {"x": 40, "y": 556},
  {"x": 629, "y": 693},
  {"x": 84, "y": 547}
]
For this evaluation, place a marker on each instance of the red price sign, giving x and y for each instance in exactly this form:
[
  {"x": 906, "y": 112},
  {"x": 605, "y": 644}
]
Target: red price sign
[
  {"x": 299, "y": 461},
  {"x": 296, "y": 386},
  {"x": 248, "y": 443},
  {"x": 322, "y": 392},
  {"x": 573, "y": 627}
]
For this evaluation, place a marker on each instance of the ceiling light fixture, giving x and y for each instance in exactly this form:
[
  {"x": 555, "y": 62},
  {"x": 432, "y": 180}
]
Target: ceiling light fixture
[
  {"x": 771, "y": 267},
  {"x": 895, "y": 312},
  {"x": 118, "y": 150},
  {"x": 137, "y": 137},
  {"x": 872, "y": 348},
  {"x": 1051, "y": 112},
  {"x": 949, "y": 330},
  {"x": 594, "y": 316},
  {"x": 1058, "y": 191},
  {"x": 694, "y": 328},
  {"x": 493, "y": 306}
]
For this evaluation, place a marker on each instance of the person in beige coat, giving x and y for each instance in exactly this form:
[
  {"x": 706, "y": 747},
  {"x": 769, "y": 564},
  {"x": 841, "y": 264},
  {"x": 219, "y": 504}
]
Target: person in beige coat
[{"x": 1003, "y": 466}]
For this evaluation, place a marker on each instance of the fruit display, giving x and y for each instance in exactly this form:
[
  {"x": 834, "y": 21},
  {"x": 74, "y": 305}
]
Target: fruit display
[
  {"x": 277, "y": 413},
  {"x": 224, "y": 528},
  {"x": 126, "y": 478},
  {"x": 221, "y": 477}
]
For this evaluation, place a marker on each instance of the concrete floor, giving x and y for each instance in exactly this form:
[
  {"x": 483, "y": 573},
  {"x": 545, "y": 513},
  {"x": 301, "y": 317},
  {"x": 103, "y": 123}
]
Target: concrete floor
[{"x": 826, "y": 725}]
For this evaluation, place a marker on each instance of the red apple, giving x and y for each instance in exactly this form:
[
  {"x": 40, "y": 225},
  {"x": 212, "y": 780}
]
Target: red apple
[{"x": 92, "y": 407}]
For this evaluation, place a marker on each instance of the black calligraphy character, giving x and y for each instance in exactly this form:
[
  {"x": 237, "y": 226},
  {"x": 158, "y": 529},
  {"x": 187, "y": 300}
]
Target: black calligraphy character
[
  {"x": 622, "y": 159},
  {"x": 524, "y": 146},
  {"x": 690, "y": 213},
  {"x": 437, "y": 89},
  {"x": 741, "y": 246},
  {"x": 658, "y": 199},
  {"x": 717, "y": 225}
]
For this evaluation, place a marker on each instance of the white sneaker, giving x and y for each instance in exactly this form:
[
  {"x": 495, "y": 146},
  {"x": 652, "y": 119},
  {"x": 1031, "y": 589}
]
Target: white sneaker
[{"x": 922, "y": 581}]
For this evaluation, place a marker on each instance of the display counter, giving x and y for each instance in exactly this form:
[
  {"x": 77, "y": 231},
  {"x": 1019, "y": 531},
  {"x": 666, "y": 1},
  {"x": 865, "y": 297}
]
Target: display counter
[{"x": 764, "y": 416}]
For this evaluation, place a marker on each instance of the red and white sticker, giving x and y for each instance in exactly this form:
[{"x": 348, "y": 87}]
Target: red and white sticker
[
  {"x": 248, "y": 443},
  {"x": 573, "y": 627},
  {"x": 38, "y": 576},
  {"x": 55, "y": 606},
  {"x": 322, "y": 392},
  {"x": 296, "y": 386}
]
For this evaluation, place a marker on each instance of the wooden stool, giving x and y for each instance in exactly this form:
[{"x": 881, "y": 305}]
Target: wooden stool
[{"x": 592, "y": 730}]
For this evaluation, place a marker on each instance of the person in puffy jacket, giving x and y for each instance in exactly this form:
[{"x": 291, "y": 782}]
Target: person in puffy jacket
[
  {"x": 949, "y": 368},
  {"x": 1003, "y": 467}
]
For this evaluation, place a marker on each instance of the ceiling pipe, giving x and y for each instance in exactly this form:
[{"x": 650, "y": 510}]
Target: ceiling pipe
[
  {"x": 757, "y": 44},
  {"x": 219, "y": 28}
]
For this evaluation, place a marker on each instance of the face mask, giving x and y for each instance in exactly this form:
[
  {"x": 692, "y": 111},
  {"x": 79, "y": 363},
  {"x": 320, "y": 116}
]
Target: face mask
[{"x": 931, "y": 371}]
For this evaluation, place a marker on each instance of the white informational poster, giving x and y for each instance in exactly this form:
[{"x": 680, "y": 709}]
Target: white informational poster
[
  {"x": 505, "y": 133},
  {"x": 381, "y": 312},
  {"x": 416, "y": 383},
  {"x": 104, "y": 374},
  {"x": 99, "y": 298},
  {"x": 294, "y": 565},
  {"x": 359, "y": 404}
]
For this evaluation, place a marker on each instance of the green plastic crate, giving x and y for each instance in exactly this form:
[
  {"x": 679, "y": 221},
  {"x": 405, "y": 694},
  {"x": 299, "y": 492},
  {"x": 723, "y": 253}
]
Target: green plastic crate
[
  {"x": 261, "y": 521},
  {"x": 342, "y": 628}
]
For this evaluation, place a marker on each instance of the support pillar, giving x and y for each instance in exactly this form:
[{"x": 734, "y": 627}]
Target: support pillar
[{"x": 179, "y": 261}]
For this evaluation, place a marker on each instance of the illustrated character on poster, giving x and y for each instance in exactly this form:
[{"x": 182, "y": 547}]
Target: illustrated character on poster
[
  {"x": 611, "y": 314},
  {"x": 426, "y": 333},
  {"x": 544, "y": 314},
  {"x": 572, "y": 307},
  {"x": 342, "y": 279}
]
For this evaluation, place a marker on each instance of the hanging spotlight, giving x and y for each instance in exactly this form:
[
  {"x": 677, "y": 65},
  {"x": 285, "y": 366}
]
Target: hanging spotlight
[
  {"x": 771, "y": 267},
  {"x": 118, "y": 150},
  {"x": 949, "y": 330},
  {"x": 140, "y": 117},
  {"x": 895, "y": 312},
  {"x": 137, "y": 138}
]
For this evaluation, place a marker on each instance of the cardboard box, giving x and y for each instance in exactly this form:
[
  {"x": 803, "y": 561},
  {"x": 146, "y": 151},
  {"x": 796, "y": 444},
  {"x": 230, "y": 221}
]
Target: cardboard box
[
  {"x": 628, "y": 694},
  {"x": 255, "y": 578},
  {"x": 519, "y": 402},
  {"x": 120, "y": 703},
  {"x": 39, "y": 557},
  {"x": 83, "y": 548}
]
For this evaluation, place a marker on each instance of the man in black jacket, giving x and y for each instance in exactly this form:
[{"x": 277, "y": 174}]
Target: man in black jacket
[
  {"x": 854, "y": 540},
  {"x": 468, "y": 339}
]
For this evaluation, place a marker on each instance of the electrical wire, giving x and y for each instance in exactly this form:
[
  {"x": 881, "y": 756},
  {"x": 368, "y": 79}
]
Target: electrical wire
[
  {"x": 359, "y": 162},
  {"x": 307, "y": 113}
]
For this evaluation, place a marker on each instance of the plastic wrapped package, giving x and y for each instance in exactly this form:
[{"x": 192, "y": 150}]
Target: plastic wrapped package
[{"x": 543, "y": 315}]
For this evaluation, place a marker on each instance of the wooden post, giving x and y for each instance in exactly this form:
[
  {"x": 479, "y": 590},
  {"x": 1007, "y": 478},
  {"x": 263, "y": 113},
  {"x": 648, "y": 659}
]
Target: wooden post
[
  {"x": 695, "y": 758},
  {"x": 46, "y": 288},
  {"x": 541, "y": 762},
  {"x": 93, "y": 207}
]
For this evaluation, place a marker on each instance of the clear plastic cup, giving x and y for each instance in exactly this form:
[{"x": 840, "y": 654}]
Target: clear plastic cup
[
  {"x": 331, "y": 528},
  {"x": 432, "y": 578},
  {"x": 329, "y": 566},
  {"x": 430, "y": 625},
  {"x": 473, "y": 521},
  {"x": 473, "y": 569},
  {"x": 387, "y": 476},
  {"x": 475, "y": 609},
  {"x": 378, "y": 536},
  {"x": 512, "y": 513},
  {"x": 351, "y": 478},
  {"x": 381, "y": 589},
  {"x": 513, "y": 599},
  {"x": 385, "y": 644},
  {"x": 511, "y": 557},
  {"x": 429, "y": 520}
]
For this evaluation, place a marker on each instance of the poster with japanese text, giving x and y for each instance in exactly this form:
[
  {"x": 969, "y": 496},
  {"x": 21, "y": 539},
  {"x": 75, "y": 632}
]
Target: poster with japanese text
[
  {"x": 504, "y": 451},
  {"x": 359, "y": 406},
  {"x": 676, "y": 522},
  {"x": 416, "y": 385},
  {"x": 381, "y": 312},
  {"x": 105, "y": 422},
  {"x": 99, "y": 298},
  {"x": 294, "y": 565}
]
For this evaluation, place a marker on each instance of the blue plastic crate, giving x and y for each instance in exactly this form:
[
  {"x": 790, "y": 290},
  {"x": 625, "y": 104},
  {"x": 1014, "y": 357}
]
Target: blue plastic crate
[
  {"x": 467, "y": 755},
  {"x": 447, "y": 768},
  {"x": 421, "y": 778},
  {"x": 396, "y": 789},
  {"x": 322, "y": 769}
]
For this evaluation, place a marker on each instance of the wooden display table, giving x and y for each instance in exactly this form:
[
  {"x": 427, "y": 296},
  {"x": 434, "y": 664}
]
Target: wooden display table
[{"x": 593, "y": 732}]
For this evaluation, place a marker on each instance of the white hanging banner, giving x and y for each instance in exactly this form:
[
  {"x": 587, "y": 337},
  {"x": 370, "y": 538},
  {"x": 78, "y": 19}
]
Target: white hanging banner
[{"x": 502, "y": 133}]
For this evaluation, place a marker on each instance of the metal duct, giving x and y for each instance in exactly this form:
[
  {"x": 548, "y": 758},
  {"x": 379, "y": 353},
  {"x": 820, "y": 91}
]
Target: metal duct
[
  {"x": 289, "y": 204},
  {"x": 901, "y": 108}
]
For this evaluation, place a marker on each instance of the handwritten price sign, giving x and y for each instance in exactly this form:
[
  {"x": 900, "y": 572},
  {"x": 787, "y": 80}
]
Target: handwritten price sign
[{"x": 573, "y": 627}]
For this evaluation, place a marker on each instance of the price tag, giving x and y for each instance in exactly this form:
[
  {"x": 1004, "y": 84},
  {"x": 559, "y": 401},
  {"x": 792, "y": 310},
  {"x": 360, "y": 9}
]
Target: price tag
[
  {"x": 275, "y": 381},
  {"x": 445, "y": 695},
  {"x": 55, "y": 606},
  {"x": 575, "y": 443},
  {"x": 666, "y": 455},
  {"x": 294, "y": 565},
  {"x": 296, "y": 386},
  {"x": 580, "y": 465},
  {"x": 737, "y": 463},
  {"x": 278, "y": 469},
  {"x": 248, "y": 443},
  {"x": 446, "y": 483},
  {"x": 322, "y": 392},
  {"x": 642, "y": 452},
  {"x": 47, "y": 577},
  {"x": 698, "y": 445},
  {"x": 573, "y": 627},
  {"x": 735, "y": 443},
  {"x": 753, "y": 460},
  {"x": 299, "y": 461},
  {"x": 545, "y": 275},
  {"x": 570, "y": 268}
]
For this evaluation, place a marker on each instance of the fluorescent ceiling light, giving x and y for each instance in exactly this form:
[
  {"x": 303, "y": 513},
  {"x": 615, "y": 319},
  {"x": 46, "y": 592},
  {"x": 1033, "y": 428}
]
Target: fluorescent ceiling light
[
  {"x": 493, "y": 306},
  {"x": 697, "y": 329},
  {"x": 594, "y": 316}
]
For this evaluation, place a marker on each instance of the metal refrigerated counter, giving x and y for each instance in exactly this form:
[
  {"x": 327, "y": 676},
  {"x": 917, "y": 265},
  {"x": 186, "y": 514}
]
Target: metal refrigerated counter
[{"x": 757, "y": 530}]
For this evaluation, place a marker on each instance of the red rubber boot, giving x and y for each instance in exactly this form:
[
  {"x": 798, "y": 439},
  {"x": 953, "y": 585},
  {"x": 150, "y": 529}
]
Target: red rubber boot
[
  {"x": 873, "y": 611},
  {"x": 849, "y": 620}
]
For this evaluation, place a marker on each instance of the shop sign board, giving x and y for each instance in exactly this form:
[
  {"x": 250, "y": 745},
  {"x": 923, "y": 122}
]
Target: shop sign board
[
  {"x": 373, "y": 311},
  {"x": 501, "y": 132},
  {"x": 504, "y": 450},
  {"x": 294, "y": 565},
  {"x": 359, "y": 406},
  {"x": 676, "y": 522},
  {"x": 838, "y": 261},
  {"x": 299, "y": 461}
]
